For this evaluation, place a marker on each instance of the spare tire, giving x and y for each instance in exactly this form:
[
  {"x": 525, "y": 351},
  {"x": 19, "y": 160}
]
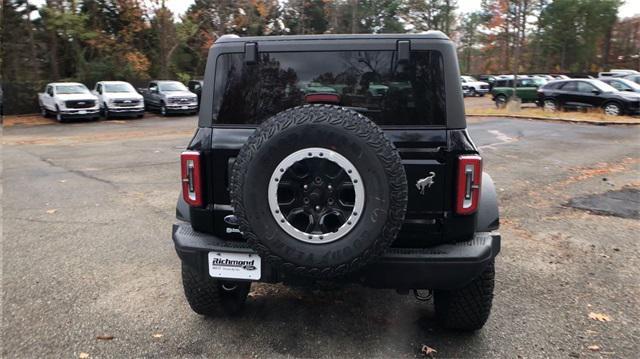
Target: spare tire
[{"x": 319, "y": 191}]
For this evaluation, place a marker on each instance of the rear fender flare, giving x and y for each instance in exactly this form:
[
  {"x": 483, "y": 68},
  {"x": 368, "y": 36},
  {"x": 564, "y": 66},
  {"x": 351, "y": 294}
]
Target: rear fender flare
[
  {"x": 488, "y": 218},
  {"x": 182, "y": 209}
]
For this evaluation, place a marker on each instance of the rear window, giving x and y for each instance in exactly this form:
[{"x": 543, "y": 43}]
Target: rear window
[{"x": 371, "y": 82}]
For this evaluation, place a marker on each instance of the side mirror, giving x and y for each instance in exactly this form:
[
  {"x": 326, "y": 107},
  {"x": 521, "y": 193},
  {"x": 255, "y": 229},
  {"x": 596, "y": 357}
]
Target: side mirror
[
  {"x": 595, "y": 92},
  {"x": 50, "y": 94}
]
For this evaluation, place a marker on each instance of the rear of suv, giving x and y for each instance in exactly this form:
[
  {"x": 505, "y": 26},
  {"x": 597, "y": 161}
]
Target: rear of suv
[{"x": 339, "y": 158}]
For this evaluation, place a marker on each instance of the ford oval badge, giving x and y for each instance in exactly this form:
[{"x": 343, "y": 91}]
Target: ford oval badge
[{"x": 231, "y": 220}]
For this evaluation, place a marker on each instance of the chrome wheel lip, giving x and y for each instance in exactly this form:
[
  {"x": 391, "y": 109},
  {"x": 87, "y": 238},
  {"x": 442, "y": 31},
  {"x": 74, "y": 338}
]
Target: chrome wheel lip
[
  {"x": 326, "y": 154},
  {"x": 611, "y": 109}
]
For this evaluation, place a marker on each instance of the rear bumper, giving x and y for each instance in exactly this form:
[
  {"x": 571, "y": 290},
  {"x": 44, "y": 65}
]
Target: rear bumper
[{"x": 447, "y": 266}]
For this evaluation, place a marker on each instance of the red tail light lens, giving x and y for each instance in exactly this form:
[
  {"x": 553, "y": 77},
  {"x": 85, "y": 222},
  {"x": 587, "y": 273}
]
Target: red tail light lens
[
  {"x": 191, "y": 178},
  {"x": 469, "y": 178}
]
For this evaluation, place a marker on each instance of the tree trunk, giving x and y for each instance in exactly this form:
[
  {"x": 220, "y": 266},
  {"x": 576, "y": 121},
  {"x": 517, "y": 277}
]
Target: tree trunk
[
  {"x": 354, "y": 16},
  {"x": 35, "y": 71},
  {"x": 53, "y": 45}
]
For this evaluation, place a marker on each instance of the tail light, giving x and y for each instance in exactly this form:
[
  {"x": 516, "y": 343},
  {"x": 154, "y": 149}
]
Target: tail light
[
  {"x": 191, "y": 178},
  {"x": 469, "y": 178}
]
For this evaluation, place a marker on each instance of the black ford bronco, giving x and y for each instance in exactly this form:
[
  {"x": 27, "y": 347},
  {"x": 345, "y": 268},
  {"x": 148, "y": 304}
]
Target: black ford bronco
[{"x": 340, "y": 158}]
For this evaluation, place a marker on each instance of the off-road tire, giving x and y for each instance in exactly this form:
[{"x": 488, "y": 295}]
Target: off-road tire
[
  {"x": 501, "y": 101},
  {"x": 467, "y": 308},
  {"x": 207, "y": 297},
  {"x": 311, "y": 125}
]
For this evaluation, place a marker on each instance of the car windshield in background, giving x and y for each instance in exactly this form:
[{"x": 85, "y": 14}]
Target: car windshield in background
[
  {"x": 469, "y": 78},
  {"x": 122, "y": 88},
  {"x": 172, "y": 86},
  {"x": 71, "y": 89},
  {"x": 370, "y": 82},
  {"x": 603, "y": 86}
]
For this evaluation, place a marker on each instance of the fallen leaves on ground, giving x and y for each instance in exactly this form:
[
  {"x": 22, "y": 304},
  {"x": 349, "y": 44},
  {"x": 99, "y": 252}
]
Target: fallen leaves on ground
[
  {"x": 428, "y": 351},
  {"x": 157, "y": 335},
  {"x": 599, "y": 317},
  {"x": 104, "y": 337},
  {"x": 594, "y": 348},
  {"x": 52, "y": 211},
  {"x": 83, "y": 355}
]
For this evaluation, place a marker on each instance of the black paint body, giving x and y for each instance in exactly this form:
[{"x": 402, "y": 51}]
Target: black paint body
[{"x": 431, "y": 227}]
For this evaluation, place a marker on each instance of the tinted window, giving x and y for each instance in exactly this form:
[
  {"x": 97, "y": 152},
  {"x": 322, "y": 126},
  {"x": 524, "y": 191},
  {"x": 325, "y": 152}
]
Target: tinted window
[
  {"x": 371, "y": 82},
  {"x": 504, "y": 83},
  {"x": 569, "y": 86},
  {"x": 553, "y": 85},
  {"x": 585, "y": 87}
]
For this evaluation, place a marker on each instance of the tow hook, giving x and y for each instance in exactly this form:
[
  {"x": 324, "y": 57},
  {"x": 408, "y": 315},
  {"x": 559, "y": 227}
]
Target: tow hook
[
  {"x": 229, "y": 287},
  {"x": 423, "y": 295}
]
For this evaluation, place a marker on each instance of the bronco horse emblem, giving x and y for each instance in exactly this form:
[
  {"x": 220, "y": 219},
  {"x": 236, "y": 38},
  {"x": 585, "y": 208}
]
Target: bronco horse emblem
[{"x": 425, "y": 183}]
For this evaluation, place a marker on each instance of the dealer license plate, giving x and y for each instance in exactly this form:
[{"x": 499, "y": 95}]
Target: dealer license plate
[{"x": 234, "y": 265}]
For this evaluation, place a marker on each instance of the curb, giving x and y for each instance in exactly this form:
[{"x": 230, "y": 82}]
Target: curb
[{"x": 558, "y": 119}]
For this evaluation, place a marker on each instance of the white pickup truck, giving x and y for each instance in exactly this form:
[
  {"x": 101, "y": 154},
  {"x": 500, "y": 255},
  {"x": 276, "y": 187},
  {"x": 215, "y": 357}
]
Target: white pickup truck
[
  {"x": 68, "y": 100},
  {"x": 118, "y": 98},
  {"x": 475, "y": 87}
]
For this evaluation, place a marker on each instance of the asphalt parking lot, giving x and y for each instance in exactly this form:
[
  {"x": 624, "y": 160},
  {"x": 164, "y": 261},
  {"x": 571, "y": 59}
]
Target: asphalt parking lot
[{"x": 89, "y": 265}]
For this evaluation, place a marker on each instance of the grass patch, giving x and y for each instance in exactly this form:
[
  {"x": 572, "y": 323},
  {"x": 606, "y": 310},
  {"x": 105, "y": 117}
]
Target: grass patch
[{"x": 537, "y": 113}]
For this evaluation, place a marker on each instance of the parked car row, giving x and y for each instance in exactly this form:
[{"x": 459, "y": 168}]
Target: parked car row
[
  {"x": 485, "y": 84},
  {"x": 631, "y": 75},
  {"x": 588, "y": 94},
  {"x": 68, "y": 100}
]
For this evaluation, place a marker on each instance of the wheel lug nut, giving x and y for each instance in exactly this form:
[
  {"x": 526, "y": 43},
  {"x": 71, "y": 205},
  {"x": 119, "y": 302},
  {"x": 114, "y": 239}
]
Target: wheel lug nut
[
  {"x": 317, "y": 208},
  {"x": 305, "y": 200},
  {"x": 329, "y": 187},
  {"x": 305, "y": 187}
]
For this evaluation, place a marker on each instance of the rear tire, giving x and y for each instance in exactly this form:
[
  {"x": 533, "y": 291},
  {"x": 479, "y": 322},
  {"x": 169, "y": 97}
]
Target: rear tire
[
  {"x": 467, "y": 308},
  {"x": 550, "y": 105},
  {"x": 211, "y": 297},
  {"x": 163, "y": 109},
  {"x": 473, "y": 92},
  {"x": 501, "y": 101}
]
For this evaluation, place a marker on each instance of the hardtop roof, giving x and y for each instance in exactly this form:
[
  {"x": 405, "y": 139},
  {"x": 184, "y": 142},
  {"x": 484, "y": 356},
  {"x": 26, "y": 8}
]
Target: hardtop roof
[{"x": 428, "y": 35}]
